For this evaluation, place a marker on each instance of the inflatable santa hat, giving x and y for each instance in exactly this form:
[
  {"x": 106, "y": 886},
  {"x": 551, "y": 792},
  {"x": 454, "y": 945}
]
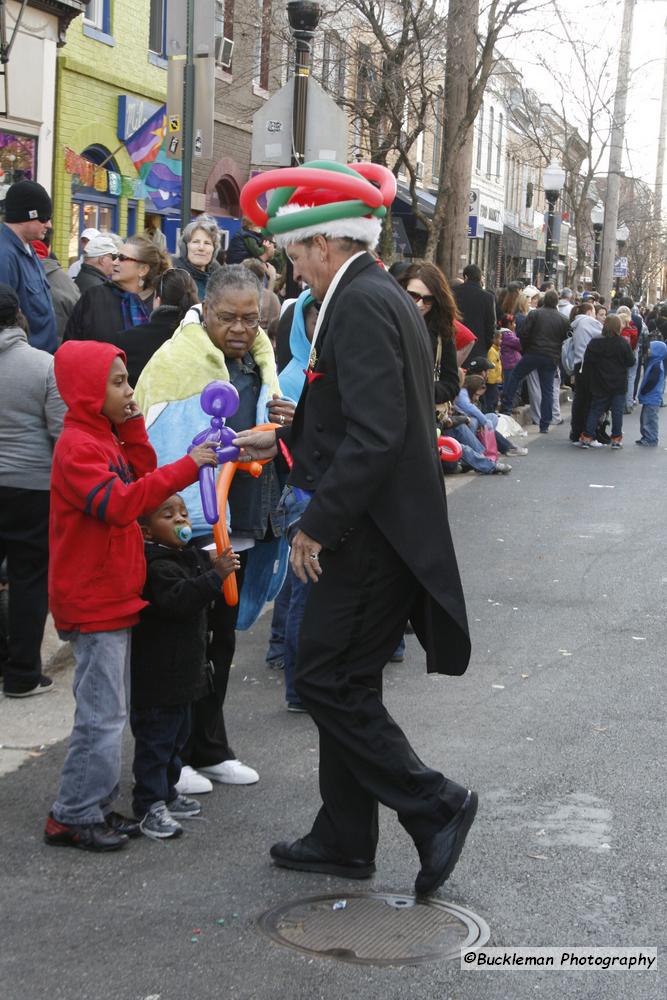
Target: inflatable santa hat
[{"x": 322, "y": 198}]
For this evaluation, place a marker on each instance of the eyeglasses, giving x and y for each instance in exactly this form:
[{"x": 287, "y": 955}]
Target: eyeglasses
[
  {"x": 123, "y": 257},
  {"x": 227, "y": 319},
  {"x": 416, "y": 297}
]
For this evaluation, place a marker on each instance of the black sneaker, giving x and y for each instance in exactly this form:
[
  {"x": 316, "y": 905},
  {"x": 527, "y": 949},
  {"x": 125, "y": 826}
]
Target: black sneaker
[
  {"x": 43, "y": 687},
  {"x": 123, "y": 824},
  {"x": 89, "y": 837}
]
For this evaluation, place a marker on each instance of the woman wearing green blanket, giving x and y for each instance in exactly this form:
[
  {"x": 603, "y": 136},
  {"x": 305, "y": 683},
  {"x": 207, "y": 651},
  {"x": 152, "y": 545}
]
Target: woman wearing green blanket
[{"x": 222, "y": 340}]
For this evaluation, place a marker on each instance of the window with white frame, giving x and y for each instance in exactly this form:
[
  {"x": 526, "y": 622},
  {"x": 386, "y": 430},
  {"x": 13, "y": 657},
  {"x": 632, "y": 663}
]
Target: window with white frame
[
  {"x": 500, "y": 143},
  {"x": 489, "y": 148},
  {"x": 94, "y": 14},
  {"x": 262, "y": 43},
  {"x": 156, "y": 27},
  {"x": 480, "y": 136}
]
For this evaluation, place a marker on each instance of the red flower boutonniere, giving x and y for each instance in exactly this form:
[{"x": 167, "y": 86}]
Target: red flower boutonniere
[{"x": 311, "y": 375}]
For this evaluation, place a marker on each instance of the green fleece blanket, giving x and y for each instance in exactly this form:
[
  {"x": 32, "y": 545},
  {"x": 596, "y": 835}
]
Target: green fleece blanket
[{"x": 189, "y": 361}]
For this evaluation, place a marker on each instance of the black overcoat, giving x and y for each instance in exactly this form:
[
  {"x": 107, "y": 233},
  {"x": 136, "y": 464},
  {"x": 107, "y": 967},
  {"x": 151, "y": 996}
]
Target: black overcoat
[{"x": 364, "y": 440}]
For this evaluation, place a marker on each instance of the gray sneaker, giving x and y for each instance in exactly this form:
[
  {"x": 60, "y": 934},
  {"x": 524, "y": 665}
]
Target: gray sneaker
[
  {"x": 502, "y": 468},
  {"x": 159, "y": 824},
  {"x": 183, "y": 807}
]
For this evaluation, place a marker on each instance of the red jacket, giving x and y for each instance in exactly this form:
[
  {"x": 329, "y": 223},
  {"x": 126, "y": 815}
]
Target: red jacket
[{"x": 103, "y": 478}]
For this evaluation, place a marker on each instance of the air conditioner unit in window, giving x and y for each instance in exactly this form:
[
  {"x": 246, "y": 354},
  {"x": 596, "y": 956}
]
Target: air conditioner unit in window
[
  {"x": 420, "y": 170},
  {"x": 224, "y": 47}
]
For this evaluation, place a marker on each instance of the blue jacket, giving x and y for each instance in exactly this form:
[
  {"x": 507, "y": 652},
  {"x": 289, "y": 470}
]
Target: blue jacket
[
  {"x": 653, "y": 383},
  {"x": 21, "y": 270}
]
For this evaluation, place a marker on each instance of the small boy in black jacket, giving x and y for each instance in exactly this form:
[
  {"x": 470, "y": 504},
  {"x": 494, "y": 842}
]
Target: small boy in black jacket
[{"x": 169, "y": 662}]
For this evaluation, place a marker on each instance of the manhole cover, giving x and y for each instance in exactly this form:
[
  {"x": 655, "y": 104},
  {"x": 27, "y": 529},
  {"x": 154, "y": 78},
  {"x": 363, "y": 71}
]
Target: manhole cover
[{"x": 375, "y": 928}]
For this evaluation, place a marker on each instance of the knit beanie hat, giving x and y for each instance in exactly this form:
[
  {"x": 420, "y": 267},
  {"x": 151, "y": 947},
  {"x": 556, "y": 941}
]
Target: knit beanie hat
[
  {"x": 9, "y": 305},
  {"x": 27, "y": 201}
]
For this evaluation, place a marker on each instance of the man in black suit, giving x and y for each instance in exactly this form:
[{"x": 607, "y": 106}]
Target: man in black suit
[
  {"x": 375, "y": 543},
  {"x": 478, "y": 309}
]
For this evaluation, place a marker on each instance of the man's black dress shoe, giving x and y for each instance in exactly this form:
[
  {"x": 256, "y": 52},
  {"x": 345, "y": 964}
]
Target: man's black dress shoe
[
  {"x": 307, "y": 855},
  {"x": 123, "y": 824},
  {"x": 440, "y": 853}
]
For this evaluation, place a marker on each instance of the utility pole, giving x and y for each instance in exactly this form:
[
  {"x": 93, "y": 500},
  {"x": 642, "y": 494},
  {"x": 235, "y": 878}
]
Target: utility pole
[
  {"x": 616, "y": 153},
  {"x": 660, "y": 169},
  {"x": 304, "y": 16},
  {"x": 188, "y": 115}
]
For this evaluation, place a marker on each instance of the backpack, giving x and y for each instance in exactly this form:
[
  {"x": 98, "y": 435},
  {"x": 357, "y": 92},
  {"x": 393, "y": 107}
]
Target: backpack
[{"x": 567, "y": 355}]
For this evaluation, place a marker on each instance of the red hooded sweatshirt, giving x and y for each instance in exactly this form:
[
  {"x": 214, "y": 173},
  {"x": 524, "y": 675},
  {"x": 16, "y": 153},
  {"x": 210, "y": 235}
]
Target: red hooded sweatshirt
[{"x": 103, "y": 478}]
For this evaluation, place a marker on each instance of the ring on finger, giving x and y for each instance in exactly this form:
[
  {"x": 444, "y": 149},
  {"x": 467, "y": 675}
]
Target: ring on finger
[
  {"x": 281, "y": 418},
  {"x": 314, "y": 555}
]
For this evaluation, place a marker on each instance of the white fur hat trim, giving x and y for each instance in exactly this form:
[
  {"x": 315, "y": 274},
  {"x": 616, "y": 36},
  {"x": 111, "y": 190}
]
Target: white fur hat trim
[{"x": 364, "y": 229}]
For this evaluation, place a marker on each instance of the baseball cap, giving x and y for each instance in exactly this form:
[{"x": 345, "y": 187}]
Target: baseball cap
[
  {"x": 530, "y": 291},
  {"x": 90, "y": 234},
  {"x": 99, "y": 246},
  {"x": 476, "y": 365}
]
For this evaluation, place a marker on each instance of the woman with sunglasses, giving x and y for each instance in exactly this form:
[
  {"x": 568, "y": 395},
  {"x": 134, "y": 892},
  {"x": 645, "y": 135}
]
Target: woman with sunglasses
[
  {"x": 428, "y": 288},
  {"x": 175, "y": 295},
  {"x": 125, "y": 301}
]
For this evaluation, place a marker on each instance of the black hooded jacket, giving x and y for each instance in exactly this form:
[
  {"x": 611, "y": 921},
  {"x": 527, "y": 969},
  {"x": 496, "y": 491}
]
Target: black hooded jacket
[{"x": 169, "y": 643}]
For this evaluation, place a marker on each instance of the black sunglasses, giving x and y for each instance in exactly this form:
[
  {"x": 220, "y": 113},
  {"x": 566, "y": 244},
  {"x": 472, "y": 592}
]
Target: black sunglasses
[
  {"x": 135, "y": 260},
  {"x": 426, "y": 299}
]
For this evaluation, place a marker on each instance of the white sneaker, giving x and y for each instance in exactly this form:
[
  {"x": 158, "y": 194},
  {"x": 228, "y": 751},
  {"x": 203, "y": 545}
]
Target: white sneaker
[
  {"x": 231, "y": 772},
  {"x": 518, "y": 450},
  {"x": 192, "y": 783}
]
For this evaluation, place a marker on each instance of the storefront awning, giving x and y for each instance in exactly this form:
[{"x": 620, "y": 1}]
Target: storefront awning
[
  {"x": 403, "y": 203},
  {"x": 518, "y": 245}
]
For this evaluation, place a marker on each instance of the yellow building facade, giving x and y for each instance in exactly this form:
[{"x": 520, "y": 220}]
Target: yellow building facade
[{"x": 111, "y": 76}]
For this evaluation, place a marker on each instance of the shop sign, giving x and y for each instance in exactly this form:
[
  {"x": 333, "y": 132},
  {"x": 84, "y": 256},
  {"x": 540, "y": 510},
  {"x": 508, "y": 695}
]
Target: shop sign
[{"x": 133, "y": 112}]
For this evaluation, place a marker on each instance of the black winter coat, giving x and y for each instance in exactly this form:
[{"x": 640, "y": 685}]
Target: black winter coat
[
  {"x": 478, "y": 309},
  {"x": 543, "y": 332},
  {"x": 89, "y": 277},
  {"x": 141, "y": 342},
  {"x": 606, "y": 362},
  {"x": 169, "y": 643},
  {"x": 98, "y": 315},
  {"x": 363, "y": 439}
]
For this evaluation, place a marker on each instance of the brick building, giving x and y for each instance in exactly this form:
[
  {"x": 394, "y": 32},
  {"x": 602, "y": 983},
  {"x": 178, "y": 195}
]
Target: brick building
[{"x": 111, "y": 75}]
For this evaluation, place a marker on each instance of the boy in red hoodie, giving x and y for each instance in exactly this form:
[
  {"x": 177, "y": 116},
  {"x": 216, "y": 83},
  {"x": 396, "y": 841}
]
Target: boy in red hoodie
[{"x": 104, "y": 477}]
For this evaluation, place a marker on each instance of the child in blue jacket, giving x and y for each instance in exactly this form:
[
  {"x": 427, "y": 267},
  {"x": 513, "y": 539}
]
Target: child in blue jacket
[{"x": 650, "y": 394}]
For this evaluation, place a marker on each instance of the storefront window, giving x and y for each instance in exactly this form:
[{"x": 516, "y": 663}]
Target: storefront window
[
  {"x": 89, "y": 215},
  {"x": 18, "y": 160}
]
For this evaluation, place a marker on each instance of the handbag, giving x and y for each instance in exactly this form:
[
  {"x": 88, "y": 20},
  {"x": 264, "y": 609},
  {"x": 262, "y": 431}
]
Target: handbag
[
  {"x": 487, "y": 436},
  {"x": 441, "y": 409}
]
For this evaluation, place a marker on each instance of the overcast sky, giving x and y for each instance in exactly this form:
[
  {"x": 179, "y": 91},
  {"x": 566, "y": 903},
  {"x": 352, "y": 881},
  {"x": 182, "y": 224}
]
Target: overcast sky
[{"x": 601, "y": 21}]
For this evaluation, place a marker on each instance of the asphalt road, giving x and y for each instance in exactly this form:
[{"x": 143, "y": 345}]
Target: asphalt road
[{"x": 559, "y": 724}]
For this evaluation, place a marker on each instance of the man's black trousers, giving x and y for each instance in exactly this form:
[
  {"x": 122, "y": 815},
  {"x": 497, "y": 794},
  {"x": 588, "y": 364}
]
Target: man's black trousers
[{"x": 354, "y": 619}]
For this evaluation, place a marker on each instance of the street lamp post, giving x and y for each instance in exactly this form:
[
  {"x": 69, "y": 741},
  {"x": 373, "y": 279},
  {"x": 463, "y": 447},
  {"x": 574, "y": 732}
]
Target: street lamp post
[
  {"x": 622, "y": 234},
  {"x": 597, "y": 218},
  {"x": 304, "y": 17},
  {"x": 552, "y": 180}
]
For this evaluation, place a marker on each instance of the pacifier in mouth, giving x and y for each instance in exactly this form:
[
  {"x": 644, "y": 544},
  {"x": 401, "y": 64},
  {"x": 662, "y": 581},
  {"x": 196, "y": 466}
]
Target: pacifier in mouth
[{"x": 183, "y": 532}]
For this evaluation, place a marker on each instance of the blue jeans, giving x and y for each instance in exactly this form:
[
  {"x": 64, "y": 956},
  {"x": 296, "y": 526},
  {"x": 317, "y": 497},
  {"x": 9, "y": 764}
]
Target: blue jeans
[
  {"x": 599, "y": 405},
  {"x": 546, "y": 370},
  {"x": 275, "y": 654},
  {"x": 473, "y": 449},
  {"x": 297, "y": 604},
  {"x": 649, "y": 424},
  {"x": 160, "y": 734},
  {"x": 630, "y": 394},
  {"x": 91, "y": 772}
]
